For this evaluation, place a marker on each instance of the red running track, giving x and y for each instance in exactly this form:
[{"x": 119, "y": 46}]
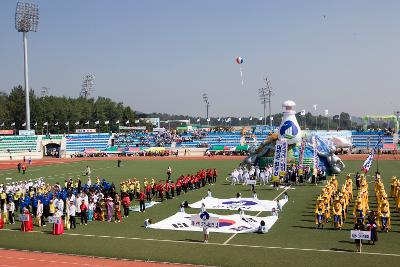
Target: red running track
[{"x": 14, "y": 258}]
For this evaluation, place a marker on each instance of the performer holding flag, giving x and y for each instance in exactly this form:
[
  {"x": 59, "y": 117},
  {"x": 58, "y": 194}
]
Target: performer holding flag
[{"x": 368, "y": 162}]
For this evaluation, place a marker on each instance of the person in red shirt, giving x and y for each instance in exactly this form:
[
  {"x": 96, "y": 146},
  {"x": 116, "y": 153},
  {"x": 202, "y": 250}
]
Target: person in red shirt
[
  {"x": 214, "y": 176},
  {"x": 172, "y": 189},
  {"x": 84, "y": 209},
  {"x": 126, "y": 202},
  {"x": 23, "y": 168},
  {"x": 141, "y": 201},
  {"x": 148, "y": 192},
  {"x": 167, "y": 190}
]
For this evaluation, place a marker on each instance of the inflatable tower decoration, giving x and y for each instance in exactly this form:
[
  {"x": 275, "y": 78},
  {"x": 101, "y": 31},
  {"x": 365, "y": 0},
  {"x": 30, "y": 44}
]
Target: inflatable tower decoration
[{"x": 289, "y": 128}]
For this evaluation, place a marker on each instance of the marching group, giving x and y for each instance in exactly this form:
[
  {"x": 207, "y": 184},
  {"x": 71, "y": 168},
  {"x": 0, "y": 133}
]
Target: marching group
[
  {"x": 63, "y": 204},
  {"x": 336, "y": 202}
]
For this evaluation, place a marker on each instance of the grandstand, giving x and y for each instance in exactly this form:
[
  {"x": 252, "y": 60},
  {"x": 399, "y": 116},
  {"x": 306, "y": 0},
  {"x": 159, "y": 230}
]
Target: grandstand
[
  {"x": 18, "y": 143},
  {"x": 79, "y": 142},
  {"x": 367, "y": 140}
]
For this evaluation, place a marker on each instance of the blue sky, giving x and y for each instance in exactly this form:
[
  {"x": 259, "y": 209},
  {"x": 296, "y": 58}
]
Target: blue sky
[{"x": 162, "y": 55}]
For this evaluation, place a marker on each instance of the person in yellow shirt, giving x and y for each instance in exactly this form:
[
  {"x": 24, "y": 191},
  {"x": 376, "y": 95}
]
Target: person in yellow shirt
[
  {"x": 320, "y": 213},
  {"x": 384, "y": 218},
  {"x": 337, "y": 214}
]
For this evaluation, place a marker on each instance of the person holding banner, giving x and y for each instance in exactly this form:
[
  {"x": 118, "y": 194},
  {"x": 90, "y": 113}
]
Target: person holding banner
[
  {"x": 205, "y": 216},
  {"x": 58, "y": 226}
]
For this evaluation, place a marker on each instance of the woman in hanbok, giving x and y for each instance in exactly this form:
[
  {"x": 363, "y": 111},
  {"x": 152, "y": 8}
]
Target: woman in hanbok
[
  {"x": 27, "y": 226},
  {"x": 110, "y": 209},
  {"x": 58, "y": 228}
]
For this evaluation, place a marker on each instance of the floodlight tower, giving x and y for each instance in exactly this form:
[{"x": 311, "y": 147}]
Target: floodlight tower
[
  {"x": 206, "y": 100},
  {"x": 87, "y": 85},
  {"x": 26, "y": 20},
  {"x": 265, "y": 94}
]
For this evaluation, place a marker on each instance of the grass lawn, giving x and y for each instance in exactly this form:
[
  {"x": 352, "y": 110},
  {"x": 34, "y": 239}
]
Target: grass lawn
[{"x": 292, "y": 241}]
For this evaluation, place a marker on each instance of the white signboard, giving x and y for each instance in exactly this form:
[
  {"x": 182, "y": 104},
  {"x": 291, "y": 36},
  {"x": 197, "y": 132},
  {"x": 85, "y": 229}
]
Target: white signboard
[
  {"x": 212, "y": 222},
  {"x": 250, "y": 182},
  {"x": 55, "y": 220},
  {"x": 363, "y": 235},
  {"x": 23, "y": 218}
]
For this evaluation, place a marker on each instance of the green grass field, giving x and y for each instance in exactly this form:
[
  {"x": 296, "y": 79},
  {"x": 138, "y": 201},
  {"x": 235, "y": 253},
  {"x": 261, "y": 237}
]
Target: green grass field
[{"x": 292, "y": 241}]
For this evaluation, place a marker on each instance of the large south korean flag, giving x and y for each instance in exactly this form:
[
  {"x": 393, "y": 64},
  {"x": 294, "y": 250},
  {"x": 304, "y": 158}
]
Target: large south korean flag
[
  {"x": 226, "y": 223},
  {"x": 250, "y": 204}
]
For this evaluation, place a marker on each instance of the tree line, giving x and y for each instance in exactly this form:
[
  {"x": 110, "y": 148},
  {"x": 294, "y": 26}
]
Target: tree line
[{"x": 58, "y": 114}]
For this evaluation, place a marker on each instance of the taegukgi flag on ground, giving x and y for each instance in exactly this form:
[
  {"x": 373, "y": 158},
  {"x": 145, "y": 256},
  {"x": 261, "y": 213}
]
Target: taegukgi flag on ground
[
  {"x": 233, "y": 224},
  {"x": 250, "y": 204}
]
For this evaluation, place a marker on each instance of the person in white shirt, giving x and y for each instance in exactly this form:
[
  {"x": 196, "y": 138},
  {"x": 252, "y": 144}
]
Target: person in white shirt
[
  {"x": 255, "y": 195},
  {"x": 89, "y": 181},
  {"x": 147, "y": 223},
  {"x": 39, "y": 214},
  {"x": 11, "y": 210},
  {"x": 60, "y": 205},
  {"x": 209, "y": 193},
  {"x": 203, "y": 207},
  {"x": 262, "y": 229},
  {"x": 88, "y": 171},
  {"x": 72, "y": 213}
]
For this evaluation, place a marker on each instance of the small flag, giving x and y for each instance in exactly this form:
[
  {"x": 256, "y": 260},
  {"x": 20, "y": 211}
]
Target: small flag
[
  {"x": 165, "y": 121},
  {"x": 77, "y": 123},
  {"x": 315, "y": 106},
  {"x": 55, "y": 124},
  {"x": 2, "y": 125},
  {"x": 137, "y": 121},
  {"x": 303, "y": 112},
  {"x": 240, "y": 119},
  {"x": 260, "y": 119},
  {"x": 45, "y": 124},
  {"x": 107, "y": 122},
  {"x": 127, "y": 122},
  {"x": 271, "y": 118},
  {"x": 251, "y": 118},
  {"x": 117, "y": 122},
  {"x": 198, "y": 120},
  {"x": 67, "y": 123},
  {"x": 24, "y": 124},
  {"x": 218, "y": 119},
  {"x": 35, "y": 124},
  {"x": 13, "y": 124},
  {"x": 326, "y": 112},
  {"x": 87, "y": 123},
  {"x": 228, "y": 120},
  {"x": 208, "y": 119}
]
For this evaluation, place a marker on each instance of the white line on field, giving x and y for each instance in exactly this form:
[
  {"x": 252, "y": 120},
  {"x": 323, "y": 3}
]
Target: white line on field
[
  {"x": 231, "y": 237},
  {"x": 218, "y": 244}
]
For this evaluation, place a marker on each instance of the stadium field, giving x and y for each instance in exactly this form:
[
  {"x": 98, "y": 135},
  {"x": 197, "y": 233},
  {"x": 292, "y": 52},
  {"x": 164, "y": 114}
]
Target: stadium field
[{"x": 292, "y": 241}]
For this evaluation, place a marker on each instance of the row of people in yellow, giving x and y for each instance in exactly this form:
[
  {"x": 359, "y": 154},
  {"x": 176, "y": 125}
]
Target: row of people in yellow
[
  {"x": 395, "y": 192},
  {"x": 383, "y": 206},
  {"x": 361, "y": 205},
  {"x": 331, "y": 199}
]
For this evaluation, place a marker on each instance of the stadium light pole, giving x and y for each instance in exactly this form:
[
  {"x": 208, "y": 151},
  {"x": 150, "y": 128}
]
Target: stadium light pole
[
  {"x": 206, "y": 100},
  {"x": 265, "y": 94},
  {"x": 26, "y": 20}
]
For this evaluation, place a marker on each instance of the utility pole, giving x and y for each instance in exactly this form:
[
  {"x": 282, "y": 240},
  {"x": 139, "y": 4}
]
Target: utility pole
[
  {"x": 207, "y": 102},
  {"x": 265, "y": 94}
]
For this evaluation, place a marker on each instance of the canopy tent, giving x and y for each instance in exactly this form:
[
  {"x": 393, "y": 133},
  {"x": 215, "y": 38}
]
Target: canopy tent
[
  {"x": 113, "y": 150},
  {"x": 91, "y": 151}
]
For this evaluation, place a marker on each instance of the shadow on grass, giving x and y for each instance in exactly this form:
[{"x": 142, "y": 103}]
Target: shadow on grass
[
  {"x": 314, "y": 228},
  {"x": 192, "y": 240},
  {"x": 343, "y": 250}
]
